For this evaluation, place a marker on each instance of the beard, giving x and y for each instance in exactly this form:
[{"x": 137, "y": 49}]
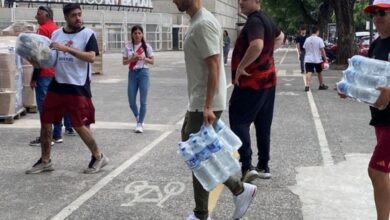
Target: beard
[
  {"x": 76, "y": 26},
  {"x": 184, "y": 5}
]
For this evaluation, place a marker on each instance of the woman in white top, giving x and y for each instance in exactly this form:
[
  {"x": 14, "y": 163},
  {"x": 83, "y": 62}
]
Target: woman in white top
[{"x": 138, "y": 55}]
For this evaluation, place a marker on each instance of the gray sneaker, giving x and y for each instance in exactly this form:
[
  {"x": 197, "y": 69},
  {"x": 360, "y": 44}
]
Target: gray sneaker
[
  {"x": 40, "y": 167},
  {"x": 250, "y": 175},
  {"x": 263, "y": 172},
  {"x": 95, "y": 165}
]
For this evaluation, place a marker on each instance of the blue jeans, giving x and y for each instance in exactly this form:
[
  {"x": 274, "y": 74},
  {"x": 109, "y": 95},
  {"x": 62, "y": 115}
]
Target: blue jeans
[
  {"x": 226, "y": 54},
  {"x": 40, "y": 94},
  {"x": 138, "y": 80}
]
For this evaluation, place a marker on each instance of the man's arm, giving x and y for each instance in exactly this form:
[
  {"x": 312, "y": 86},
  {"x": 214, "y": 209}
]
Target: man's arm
[
  {"x": 383, "y": 99},
  {"x": 252, "y": 53},
  {"x": 279, "y": 41},
  {"x": 82, "y": 55},
  {"x": 213, "y": 66}
]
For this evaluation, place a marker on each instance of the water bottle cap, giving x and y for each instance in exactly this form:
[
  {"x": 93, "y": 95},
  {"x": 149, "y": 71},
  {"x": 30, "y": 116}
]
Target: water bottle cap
[{"x": 342, "y": 87}]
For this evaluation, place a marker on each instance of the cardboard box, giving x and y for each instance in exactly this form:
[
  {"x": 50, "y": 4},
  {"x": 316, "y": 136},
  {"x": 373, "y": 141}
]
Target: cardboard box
[
  {"x": 7, "y": 103},
  {"x": 7, "y": 71},
  {"x": 29, "y": 97}
]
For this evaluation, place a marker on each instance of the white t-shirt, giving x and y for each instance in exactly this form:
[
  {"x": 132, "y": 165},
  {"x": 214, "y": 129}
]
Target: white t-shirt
[
  {"x": 313, "y": 45},
  {"x": 203, "y": 39},
  {"x": 130, "y": 49}
]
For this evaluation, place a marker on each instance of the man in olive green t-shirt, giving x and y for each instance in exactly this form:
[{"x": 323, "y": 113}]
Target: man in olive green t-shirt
[{"x": 203, "y": 49}]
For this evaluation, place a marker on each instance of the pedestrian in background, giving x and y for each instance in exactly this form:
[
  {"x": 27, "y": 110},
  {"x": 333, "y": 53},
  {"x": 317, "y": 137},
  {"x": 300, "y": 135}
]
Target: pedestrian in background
[
  {"x": 379, "y": 166},
  {"x": 300, "y": 40},
  {"x": 314, "y": 55},
  {"x": 43, "y": 76},
  {"x": 226, "y": 46},
  {"x": 138, "y": 55},
  {"x": 254, "y": 78},
  {"x": 70, "y": 91},
  {"x": 203, "y": 50}
]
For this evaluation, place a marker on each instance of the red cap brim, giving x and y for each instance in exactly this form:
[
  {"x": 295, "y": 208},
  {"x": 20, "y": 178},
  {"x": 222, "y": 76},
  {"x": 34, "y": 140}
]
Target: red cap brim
[{"x": 372, "y": 8}]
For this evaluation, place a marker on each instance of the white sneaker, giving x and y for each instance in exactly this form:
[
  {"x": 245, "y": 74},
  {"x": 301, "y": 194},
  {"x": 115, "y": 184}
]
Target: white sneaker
[
  {"x": 139, "y": 128},
  {"x": 244, "y": 200},
  {"x": 193, "y": 217}
]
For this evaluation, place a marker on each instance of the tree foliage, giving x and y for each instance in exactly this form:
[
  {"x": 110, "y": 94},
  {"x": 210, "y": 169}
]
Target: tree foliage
[{"x": 347, "y": 14}]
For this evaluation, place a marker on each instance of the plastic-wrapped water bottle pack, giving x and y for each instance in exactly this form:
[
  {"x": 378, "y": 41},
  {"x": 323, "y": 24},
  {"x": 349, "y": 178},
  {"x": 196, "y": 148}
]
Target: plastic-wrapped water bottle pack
[
  {"x": 362, "y": 78},
  {"x": 209, "y": 154},
  {"x": 34, "y": 47}
]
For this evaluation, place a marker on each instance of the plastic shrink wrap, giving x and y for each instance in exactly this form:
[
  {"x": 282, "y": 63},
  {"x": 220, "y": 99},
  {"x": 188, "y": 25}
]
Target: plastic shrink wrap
[{"x": 36, "y": 48}]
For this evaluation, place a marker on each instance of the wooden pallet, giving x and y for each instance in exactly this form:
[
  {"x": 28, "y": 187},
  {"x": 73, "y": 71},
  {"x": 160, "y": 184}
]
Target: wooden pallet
[
  {"x": 9, "y": 119},
  {"x": 31, "y": 109}
]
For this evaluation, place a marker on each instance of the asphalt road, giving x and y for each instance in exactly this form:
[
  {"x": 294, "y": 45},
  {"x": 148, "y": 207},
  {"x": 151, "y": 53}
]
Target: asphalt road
[{"x": 320, "y": 149}]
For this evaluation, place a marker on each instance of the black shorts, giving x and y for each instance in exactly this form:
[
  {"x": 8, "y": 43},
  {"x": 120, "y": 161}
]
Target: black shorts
[{"x": 310, "y": 67}]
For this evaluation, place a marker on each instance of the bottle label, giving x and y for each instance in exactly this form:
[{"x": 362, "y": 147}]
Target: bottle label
[
  {"x": 203, "y": 154},
  {"x": 215, "y": 146},
  {"x": 193, "y": 163}
]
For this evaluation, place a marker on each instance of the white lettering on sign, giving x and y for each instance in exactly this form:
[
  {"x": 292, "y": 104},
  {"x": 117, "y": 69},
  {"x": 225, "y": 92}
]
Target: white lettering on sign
[
  {"x": 129, "y": 3},
  {"x": 142, "y": 192}
]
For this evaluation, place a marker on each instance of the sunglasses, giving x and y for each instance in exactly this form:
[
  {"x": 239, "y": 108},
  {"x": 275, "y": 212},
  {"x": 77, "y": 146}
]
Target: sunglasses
[{"x": 380, "y": 13}]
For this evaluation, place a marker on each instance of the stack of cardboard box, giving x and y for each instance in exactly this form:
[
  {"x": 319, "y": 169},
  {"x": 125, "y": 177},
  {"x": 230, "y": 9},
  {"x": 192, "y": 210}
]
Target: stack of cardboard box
[
  {"x": 18, "y": 27},
  {"x": 7, "y": 75}
]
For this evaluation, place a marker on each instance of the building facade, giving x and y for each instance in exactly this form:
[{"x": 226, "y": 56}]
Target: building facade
[{"x": 163, "y": 24}]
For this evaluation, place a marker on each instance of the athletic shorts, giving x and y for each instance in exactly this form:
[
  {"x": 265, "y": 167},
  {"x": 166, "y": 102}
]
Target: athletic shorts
[
  {"x": 79, "y": 108},
  {"x": 310, "y": 67},
  {"x": 380, "y": 159}
]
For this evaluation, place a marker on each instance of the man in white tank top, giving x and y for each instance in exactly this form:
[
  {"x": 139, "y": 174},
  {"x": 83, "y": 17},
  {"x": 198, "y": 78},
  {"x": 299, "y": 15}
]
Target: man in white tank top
[{"x": 69, "y": 92}]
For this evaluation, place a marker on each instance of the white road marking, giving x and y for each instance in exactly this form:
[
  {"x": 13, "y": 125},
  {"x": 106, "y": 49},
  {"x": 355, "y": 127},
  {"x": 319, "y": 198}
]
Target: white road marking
[
  {"x": 340, "y": 191},
  {"x": 323, "y": 142},
  {"x": 34, "y": 123},
  {"x": 68, "y": 210},
  {"x": 108, "y": 80},
  {"x": 284, "y": 57},
  {"x": 283, "y": 72},
  {"x": 287, "y": 93},
  {"x": 142, "y": 192}
]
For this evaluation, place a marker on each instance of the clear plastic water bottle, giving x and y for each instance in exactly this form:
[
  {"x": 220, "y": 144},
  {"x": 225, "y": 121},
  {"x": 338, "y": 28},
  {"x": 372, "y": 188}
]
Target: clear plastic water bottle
[
  {"x": 229, "y": 138},
  {"x": 369, "y": 65},
  {"x": 200, "y": 171},
  {"x": 206, "y": 157},
  {"x": 364, "y": 80},
  {"x": 363, "y": 94},
  {"x": 229, "y": 165}
]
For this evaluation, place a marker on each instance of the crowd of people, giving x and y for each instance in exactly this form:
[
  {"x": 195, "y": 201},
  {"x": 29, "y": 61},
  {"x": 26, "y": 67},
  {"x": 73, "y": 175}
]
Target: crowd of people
[{"x": 64, "y": 91}]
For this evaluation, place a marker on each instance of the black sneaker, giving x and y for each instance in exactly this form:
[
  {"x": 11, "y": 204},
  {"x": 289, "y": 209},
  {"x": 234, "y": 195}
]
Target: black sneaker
[
  {"x": 249, "y": 175},
  {"x": 36, "y": 142},
  {"x": 263, "y": 172},
  {"x": 307, "y": 88},
  {"x": 323, "y": 87},
  {"x": 70, "y": 132},
  {"x": 95, "y": 165}
]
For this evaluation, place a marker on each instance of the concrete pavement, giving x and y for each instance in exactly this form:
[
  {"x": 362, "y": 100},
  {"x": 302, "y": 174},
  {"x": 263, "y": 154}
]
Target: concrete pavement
[{"x": 319, "y": 153}]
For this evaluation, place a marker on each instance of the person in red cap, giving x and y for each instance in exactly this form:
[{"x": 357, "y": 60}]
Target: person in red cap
[{"x": 379, "y": 166}]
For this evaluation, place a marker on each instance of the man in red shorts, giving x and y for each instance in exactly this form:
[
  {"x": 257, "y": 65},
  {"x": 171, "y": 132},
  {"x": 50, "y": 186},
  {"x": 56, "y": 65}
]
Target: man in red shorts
[
  {"x": 70, "y": 92},
  {"x": 379, "y": 166}
]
